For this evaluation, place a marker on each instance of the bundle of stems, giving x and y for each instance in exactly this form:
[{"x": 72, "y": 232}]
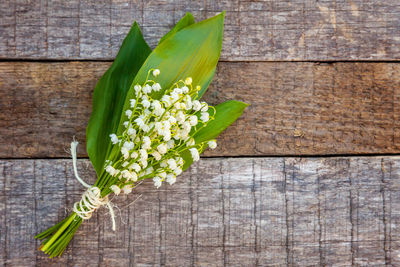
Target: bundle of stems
[{"x": 57, "y": 238}]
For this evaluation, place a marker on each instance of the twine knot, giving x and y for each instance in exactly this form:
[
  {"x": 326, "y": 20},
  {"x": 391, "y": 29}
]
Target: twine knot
[{"x": 91, "y": 200}]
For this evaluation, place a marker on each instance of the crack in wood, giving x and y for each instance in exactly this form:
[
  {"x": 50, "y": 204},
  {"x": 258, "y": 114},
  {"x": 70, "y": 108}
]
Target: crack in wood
[
  {"x": 320, "y": 249},
  {"x": 253, "y": 190},
  {"x": 223, "y": 216},
  {"x": 288, "y": 261},
  {"x": 351, "y": 215},
  {"x": 386, "y": 250}
]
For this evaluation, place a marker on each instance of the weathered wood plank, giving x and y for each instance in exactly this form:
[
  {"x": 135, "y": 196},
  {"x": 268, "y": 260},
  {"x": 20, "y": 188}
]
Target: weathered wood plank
[
  {"x": 270, "y": 30},
  {"x": 296, "y": 108},
  {"x": 234, "y": 212}
]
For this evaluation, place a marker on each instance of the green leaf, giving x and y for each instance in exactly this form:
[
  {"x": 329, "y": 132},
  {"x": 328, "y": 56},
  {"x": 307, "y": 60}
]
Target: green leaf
[
  {"x": 191, "y": 52},
  {"x": 182, "y": 23},
  {"x": 110, "y": 93},
  {"x": 226, "y": 113}
]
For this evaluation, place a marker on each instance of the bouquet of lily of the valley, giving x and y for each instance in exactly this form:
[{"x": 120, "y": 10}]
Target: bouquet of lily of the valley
[{"x": 148, "y": 121}]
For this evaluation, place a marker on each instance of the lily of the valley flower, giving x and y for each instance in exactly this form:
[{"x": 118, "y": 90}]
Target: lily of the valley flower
[{"x": 156, "y": 132}]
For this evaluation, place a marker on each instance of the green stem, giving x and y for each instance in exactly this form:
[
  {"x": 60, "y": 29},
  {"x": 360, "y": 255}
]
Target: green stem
[
  {"x": 51, "y": 230},
  {"x": 59, "y": 232}
]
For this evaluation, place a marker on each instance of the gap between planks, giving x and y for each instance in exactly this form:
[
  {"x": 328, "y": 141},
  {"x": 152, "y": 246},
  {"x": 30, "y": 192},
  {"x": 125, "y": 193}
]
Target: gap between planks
[{"x": 394, "y": 155}]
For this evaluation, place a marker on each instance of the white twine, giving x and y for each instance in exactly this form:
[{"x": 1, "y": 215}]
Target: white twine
[
  {"x": 91, "y": 198},
  {"x": 74, "y": 144}
]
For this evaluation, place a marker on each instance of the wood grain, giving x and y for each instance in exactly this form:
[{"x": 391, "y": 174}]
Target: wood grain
[
  {"x": 245, "y": 211},
  {"x": 254, "y": 30},
  {"x": 296, "y": 108},
  {"x": 233, "y": 212}
]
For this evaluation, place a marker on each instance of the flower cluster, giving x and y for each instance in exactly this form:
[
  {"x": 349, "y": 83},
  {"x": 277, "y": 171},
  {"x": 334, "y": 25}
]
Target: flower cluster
[{"x": 157, "y": 131}]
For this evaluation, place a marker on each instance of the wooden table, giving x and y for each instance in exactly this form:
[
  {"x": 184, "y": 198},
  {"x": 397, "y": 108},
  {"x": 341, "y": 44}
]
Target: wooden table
[{"x": 309, "y": 176}]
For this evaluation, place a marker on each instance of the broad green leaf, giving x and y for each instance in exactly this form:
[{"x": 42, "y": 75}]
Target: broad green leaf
[
  {"x": 191, "y": 52},
  {"x": 182, "y": 23},
  {"x": 226, "y": 113},
  {"x": 110, "y": 93}
]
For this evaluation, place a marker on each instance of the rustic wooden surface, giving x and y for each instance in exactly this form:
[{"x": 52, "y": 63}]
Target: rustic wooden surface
[
  {"x": 296, "y": 108},
  {"x": 235, "y": 212},
  {"x": 270, "y": 30},
  {"x": 261, "y": 208}
]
